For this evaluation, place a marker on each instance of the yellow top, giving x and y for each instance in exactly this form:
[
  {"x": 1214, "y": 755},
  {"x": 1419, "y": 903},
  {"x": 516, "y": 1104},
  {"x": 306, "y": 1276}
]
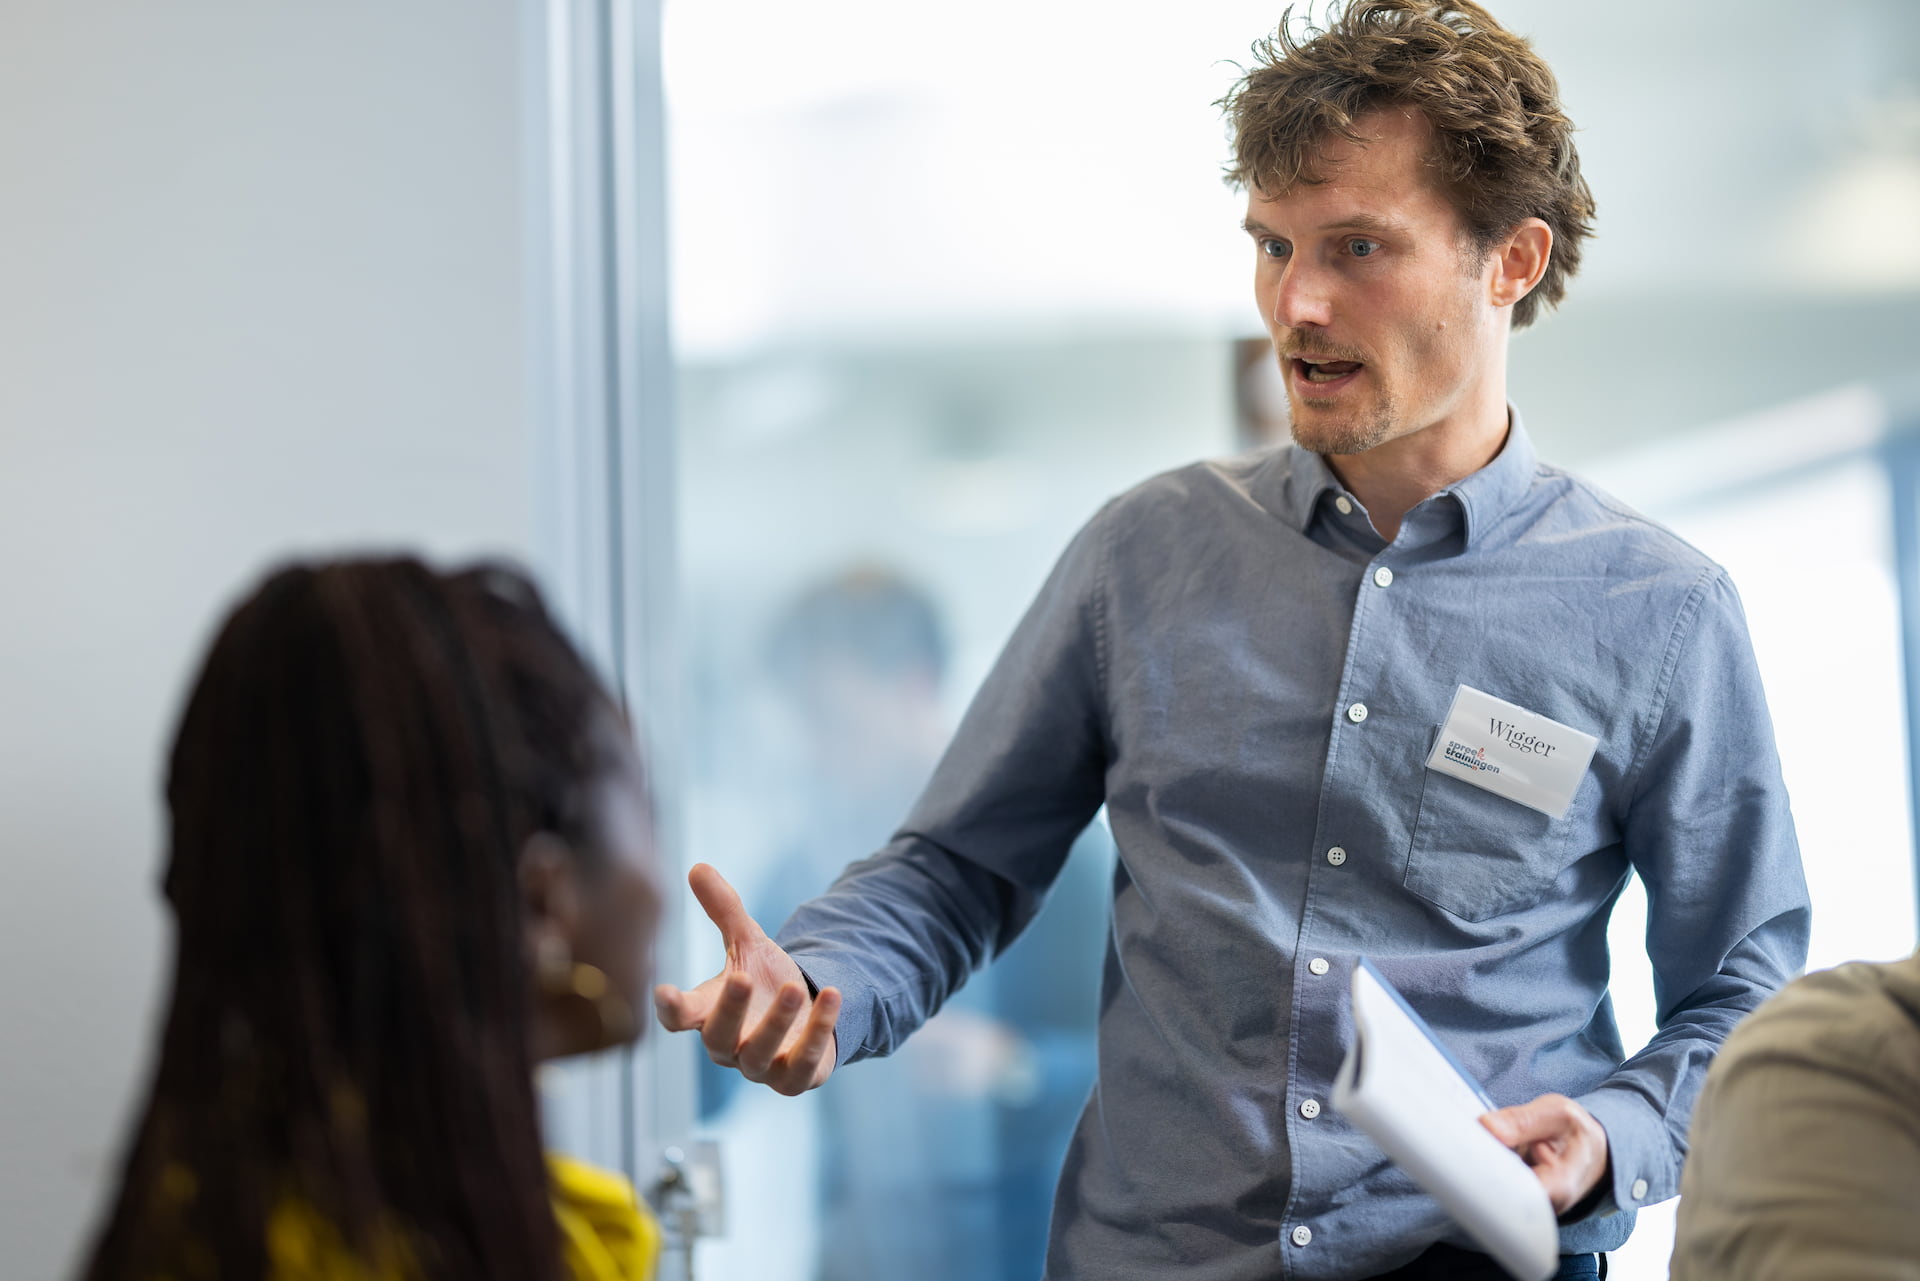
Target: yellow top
[
  {"x": 606, "y": 1234},
  {"x": 606, "y": 1231}
]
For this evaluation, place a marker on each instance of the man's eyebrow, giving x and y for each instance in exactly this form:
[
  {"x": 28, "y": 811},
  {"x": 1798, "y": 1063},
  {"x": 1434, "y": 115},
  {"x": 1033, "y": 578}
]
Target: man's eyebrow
[
  {"x": 1347, "y": 222},
  {"x": 1363, "y": 222}
]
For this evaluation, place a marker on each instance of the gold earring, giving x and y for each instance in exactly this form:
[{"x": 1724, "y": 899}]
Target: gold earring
[
  {"x": 562, "y": 977},
  {"x": 589, "y": 983}
]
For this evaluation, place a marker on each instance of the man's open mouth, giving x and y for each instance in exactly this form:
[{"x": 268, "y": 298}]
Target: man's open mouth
[{"x": 1325, "y": 371}]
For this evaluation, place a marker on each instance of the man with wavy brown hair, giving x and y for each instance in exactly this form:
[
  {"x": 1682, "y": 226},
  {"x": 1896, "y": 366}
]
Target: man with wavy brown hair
[
  {"x": 1500, "y": 147},
  {"x": 1395, "y": 691}
]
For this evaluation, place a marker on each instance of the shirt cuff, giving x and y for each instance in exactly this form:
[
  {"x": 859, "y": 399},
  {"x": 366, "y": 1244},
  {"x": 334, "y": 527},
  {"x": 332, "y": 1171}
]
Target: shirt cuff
[
  {"x": 852, "y": 1029},
  {"x": 1643, "y": 1166}
]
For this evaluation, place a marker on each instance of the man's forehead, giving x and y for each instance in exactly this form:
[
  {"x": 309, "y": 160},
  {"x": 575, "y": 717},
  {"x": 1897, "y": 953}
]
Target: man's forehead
[
  {"x": 1340, "y": 206},
  {"x": 1389, "y": 145},
  {"x": 1385, "y": 179}
]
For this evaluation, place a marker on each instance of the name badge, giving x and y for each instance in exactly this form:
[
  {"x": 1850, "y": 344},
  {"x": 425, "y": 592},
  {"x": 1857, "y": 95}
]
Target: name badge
[{"x": 1512, "y": 752}]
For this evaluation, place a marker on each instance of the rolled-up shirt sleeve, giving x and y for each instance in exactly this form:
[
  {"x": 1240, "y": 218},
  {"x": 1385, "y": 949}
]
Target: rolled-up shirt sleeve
[
  {"x": 900, "y": 931},
  {"x": 1710, "y": 834}
]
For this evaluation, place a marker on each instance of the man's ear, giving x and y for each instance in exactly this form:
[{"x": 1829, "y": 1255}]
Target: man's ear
[
  {"x": 549, "y": 889},
  {"x": 1519, "y": 261}
]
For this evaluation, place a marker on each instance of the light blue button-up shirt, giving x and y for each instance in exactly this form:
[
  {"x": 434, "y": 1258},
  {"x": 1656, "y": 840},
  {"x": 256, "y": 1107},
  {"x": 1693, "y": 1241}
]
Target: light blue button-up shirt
[{"x": 1218, "y": 660}]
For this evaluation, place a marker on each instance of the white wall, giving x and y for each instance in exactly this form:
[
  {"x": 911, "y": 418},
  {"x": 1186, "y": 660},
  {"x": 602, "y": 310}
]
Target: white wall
[{"x": 260, "y": 291}]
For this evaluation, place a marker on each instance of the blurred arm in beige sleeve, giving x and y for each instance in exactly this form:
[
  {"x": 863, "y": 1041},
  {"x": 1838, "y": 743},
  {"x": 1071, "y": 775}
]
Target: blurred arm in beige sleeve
[{"x": 1804, "y": 1161}]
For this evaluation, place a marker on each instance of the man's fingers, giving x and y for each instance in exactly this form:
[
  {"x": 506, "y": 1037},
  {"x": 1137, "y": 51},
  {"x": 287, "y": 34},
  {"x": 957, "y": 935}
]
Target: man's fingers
[
  {"x": 1503, "y": 1127},
  {"x": 685, "y": 1011},
  {"x": 808, "y": 1064},
  {"x": 757, "y": 1052},
  {"x": 720, "y": 1033},
  {"x": 674, "y": 1009},
  {"x": 1560, "y": 1140},
  {"x": 723, "y": 906},
  {"x": 780, "y": 1048},
  {"x": 1526, "y": 1123}
]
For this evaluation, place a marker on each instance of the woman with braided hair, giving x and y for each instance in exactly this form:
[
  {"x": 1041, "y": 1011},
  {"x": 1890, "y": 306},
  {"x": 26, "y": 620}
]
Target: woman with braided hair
[{"x": 410, "y": 858}]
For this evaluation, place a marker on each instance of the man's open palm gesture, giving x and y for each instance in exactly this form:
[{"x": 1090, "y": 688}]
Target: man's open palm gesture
[{"x": 753, "y": 1014}]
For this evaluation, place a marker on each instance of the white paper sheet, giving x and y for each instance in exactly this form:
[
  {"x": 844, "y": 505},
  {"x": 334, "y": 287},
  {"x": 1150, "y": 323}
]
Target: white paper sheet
[{"x": 1410, "y": 1096}]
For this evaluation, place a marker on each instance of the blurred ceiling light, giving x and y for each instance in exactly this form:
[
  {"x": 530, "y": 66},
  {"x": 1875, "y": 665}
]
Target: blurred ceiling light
[
  {"x": 1853, "y": 227},
  {"x": 1853, "y": 231}
]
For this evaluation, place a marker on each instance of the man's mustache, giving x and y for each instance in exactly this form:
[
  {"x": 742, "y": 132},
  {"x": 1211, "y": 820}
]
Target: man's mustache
[{"x": 1296, "y": 348}]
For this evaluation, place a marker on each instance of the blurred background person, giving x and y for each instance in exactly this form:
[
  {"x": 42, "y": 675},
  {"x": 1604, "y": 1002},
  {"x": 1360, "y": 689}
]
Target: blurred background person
[
  {"x": 939, "y": 1162},
  {"x": 411, "y": 857}
]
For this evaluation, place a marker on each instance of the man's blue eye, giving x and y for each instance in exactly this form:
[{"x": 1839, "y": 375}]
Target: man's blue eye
[
  {"x": 1361, "y": 248},
  {"x": 1273, "y": 248}
]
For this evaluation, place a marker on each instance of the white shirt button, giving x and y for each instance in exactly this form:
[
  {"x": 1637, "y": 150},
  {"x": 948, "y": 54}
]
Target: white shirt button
[
  {"x": 1343, "y": 505},
  {"x": 1318, "y": 965},
  {"x": 1357, "y": 713},
  {"x": 1302, "y": 1234},
  {"x": 1310, "y": 1108},
  {"x": 1383, "y": 577},
  {"x": 1336, "y": 856},
  {"x": 1639, "y": 1189}
]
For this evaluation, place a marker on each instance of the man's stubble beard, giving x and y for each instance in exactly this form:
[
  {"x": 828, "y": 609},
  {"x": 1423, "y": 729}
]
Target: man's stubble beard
[{"x": 1354, "y": 435}]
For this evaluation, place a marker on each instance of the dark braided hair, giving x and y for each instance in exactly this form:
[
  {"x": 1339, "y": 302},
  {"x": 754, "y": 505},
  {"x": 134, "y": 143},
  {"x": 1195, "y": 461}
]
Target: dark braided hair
[{"x": 366, "y": 751}]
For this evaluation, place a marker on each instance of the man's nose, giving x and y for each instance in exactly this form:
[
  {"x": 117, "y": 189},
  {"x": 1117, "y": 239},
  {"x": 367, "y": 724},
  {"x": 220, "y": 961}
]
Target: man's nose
[{"x": 1303, "y": 298}]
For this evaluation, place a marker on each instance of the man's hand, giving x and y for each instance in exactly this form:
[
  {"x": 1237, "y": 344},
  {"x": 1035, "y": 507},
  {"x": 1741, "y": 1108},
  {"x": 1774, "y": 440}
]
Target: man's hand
[
  {"x": 749, "y": 1015},
  {"x": 1566, "y": 1147}
]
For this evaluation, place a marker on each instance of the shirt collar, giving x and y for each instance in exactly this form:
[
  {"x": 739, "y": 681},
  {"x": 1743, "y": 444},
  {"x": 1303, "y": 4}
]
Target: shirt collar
[
  {"x": 1496, "y": 489},
  {"x": 1310, "y": 489}
]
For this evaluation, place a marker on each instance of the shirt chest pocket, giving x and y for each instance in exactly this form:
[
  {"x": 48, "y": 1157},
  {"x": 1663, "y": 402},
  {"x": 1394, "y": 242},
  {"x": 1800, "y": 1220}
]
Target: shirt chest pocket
[{"x": 1478, "y": 855}]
